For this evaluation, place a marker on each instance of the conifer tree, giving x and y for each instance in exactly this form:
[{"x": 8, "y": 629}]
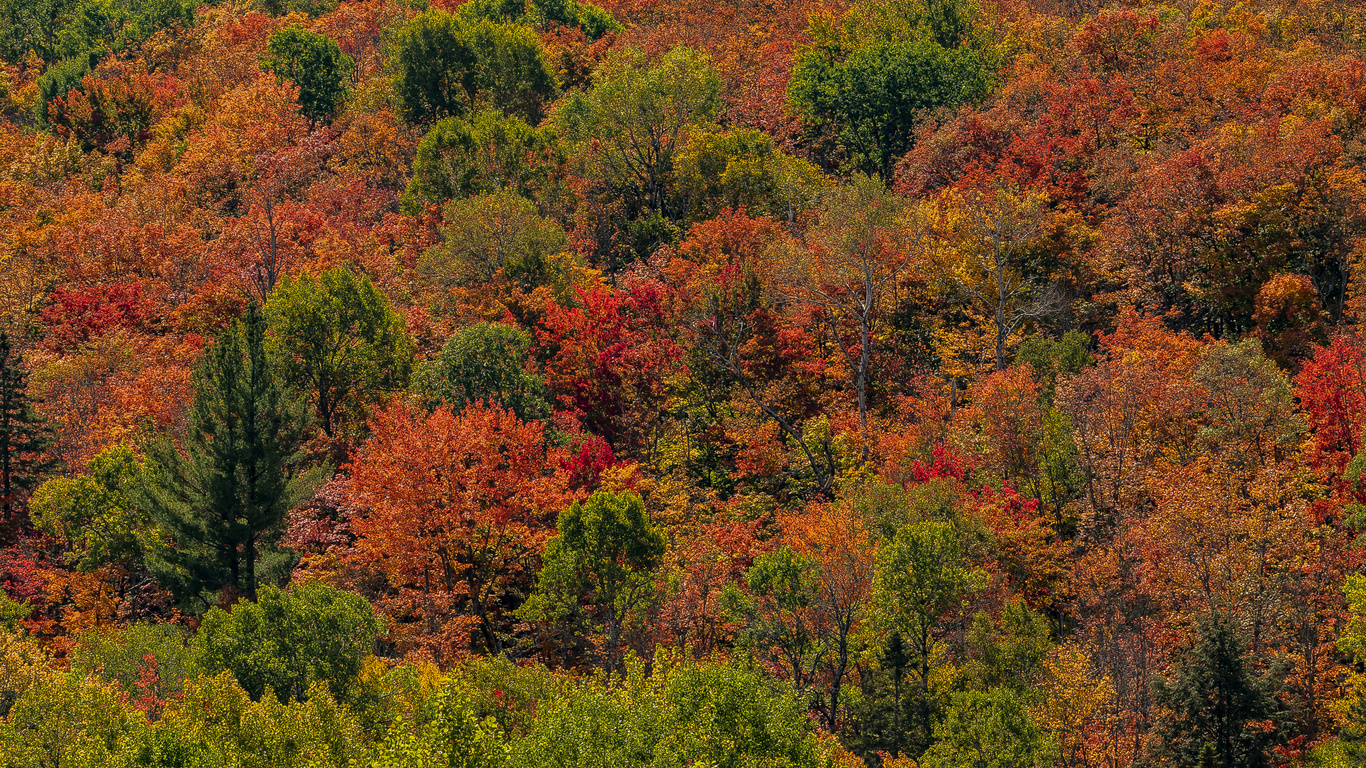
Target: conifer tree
[
  {"x": 24, "y": 436},
  {"x": 223, "y": 495},
  {"x": 1216, "y": 711}
]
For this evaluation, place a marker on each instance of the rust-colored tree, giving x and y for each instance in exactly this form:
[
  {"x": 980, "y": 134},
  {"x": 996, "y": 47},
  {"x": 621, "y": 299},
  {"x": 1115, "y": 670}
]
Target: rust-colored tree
[{"x": 454, "y": 511}]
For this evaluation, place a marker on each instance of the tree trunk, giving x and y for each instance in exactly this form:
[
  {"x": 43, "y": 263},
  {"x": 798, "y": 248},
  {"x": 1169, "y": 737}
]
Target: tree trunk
[{"x": 249, "y": 555}]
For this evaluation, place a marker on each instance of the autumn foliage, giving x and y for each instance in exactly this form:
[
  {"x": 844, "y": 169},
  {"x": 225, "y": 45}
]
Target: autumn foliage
[{"x": 935, "y": 382}]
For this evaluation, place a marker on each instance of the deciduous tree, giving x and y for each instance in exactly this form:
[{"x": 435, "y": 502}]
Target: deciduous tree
[
  {"x": 335, "y": 338},
  {"x": 315, "y": 64},
  {"x": 605, "y": 555},
  {"x": 454, "y": 510}
]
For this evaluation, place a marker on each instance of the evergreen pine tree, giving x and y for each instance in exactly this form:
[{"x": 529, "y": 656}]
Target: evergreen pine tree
[
  {"x": 224, "y": 494},
  {"x": 24, "y": 437},
  {"x": 1216, "y": 712}
]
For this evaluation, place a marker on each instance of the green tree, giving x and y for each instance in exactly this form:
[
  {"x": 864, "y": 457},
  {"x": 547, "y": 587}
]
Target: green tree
[
  {"x": 1009, "y": 654},
  {"x": 215, "y": 722},
  {"x": 487, "y": 361},
  {"x": 149, "y": 661},
  {"x": 629, "y": 127},
  {"x": 1054, "y": 359},
  {"x": 488, "y": 234},
  {"x": 34, "y": 26},
  {"x": 447, "y": 731},
  {"x": 58, "y": 80},
  {"x": 71, "y": 36},
  {"x": 1215, "y": 712},
  {"x": 315, "y": 64},
  {"x": 922, "y": 577},
  {"x": 489, "y": 152},
  {"x": 544, "y": 14},
  {"x": 95, "y": 514},
  {"x": 58, "y": 718},
  {"x": 11, "y": 613},
  {"x": 98, "y": 27},
  {"x": 446, "y": 67},
  {"x": 785, "y": 585},
  {"x": 1352, "y": 707},
  {"x": 288, "y": 640},
  {"x": 222, "y": 495},
  {"x": 336, "y": 338},
  {"x": 314, "y": 8},
  {"x": 24, "y": 435},
  {"x": 605, "y": 555},
  {"x": 868, "y": 94},
  {"x": 681, "y": 715},
  {"x": 516, "y": 75},
  {"x": 988, "y": 729},
  {"x": 743, "y": 168}
]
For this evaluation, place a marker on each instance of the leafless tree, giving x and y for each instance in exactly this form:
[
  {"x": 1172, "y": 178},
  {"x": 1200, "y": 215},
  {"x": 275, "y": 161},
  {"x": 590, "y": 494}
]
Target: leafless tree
[
  {"x": 998, "y": 230},
  {"x": 865, "y": 238}
]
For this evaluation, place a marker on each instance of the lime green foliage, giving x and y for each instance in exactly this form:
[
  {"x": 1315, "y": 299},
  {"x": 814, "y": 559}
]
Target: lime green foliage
[
  {"x": 682, "y": 715},
  {"x": 604, "y": 557},
  {"x": 634, "y": 121},
  {"x": 922, "y": 576},
  {"x": 12, "y": 612},
  {"x": 315, "y": 64},
  {"x": 55, "y": 718},
  {"x": 289, "y": 640},
  {"x": 512, "y": 695},
  {"x": 94, "y": 513},
  {"x": 138, "y": 658},
  {"x": 743, "y": 168},
  {"x": 490, "y": 714},
  {"x": 1352, "y": 707},
  {"x": 500, "y": 231},
  {"x": 314, "y": 8},
  {"x": 865, "y": 84},
  {"x": 1009, "y": 654},
  {"x": 337, "y": 339},
  {"x": 991, "y": 729},
  {"x": 447, "y": 67},
  {"x": 989, "y": 724},
  {"x": 67, "y": 719},
  {"x": 487, "y": 361},
  {"x": 783, "y": 583},
  {"x": 543, "y": 14},
  {"x": 215, "y": 723},
  {"x": 786, "y": 577},
  {"x": 595, "y": 21},
  {"x": 487, "y": 153},
  {"x": 448, "y": 732}
]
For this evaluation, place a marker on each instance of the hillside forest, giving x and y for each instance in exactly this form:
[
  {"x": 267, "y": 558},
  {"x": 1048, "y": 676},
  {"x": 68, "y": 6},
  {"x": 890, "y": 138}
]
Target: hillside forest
[{"x": 682, "y": 383}]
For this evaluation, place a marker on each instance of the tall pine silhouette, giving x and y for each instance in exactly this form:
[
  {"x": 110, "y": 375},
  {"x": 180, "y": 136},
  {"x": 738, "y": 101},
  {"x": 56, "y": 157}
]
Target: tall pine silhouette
[
  {"x": 24, "y": 436},
  {"x": 1216, "y": 713},
  {"x": 224, "y": 493}
]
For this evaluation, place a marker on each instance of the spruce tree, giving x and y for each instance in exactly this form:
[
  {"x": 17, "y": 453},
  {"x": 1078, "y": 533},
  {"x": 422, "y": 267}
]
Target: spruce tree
[
  {"x": 24, "y": 436},
  {"x": 223, "y": 495},
  {"x": 1215, "y": 711}
]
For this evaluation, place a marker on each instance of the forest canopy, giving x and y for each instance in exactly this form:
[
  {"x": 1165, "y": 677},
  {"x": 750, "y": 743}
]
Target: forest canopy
[{"x": 832, "y": 383}]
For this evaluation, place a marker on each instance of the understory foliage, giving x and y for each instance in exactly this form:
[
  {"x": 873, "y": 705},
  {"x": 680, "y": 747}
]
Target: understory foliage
[{"x": 671, "y": 383}]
